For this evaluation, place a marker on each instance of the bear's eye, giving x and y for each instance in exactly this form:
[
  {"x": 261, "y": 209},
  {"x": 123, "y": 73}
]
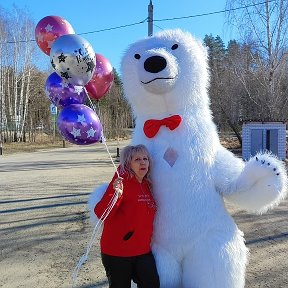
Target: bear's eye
[
  {"x": 174, "y": 47},
  {"x": 137, "y": 56}
]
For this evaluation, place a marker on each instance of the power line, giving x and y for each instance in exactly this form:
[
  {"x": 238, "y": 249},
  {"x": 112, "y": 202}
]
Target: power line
[
  {"x": 158, "y": 27},
  {"x": 212, "y": 13},
  {"x": 84, "y": 33},
  {"x": 114, "y": 28},
  {"x": 154, "y": 20}
]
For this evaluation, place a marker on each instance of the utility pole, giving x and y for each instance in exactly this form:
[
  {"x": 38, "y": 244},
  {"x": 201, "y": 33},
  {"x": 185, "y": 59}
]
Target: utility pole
[
  {"x": 2, "y": 124},
  {"x": 150, "y": 19}
]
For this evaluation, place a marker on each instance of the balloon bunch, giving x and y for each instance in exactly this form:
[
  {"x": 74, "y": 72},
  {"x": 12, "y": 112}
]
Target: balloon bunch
[{"x": 79, "y": 73}]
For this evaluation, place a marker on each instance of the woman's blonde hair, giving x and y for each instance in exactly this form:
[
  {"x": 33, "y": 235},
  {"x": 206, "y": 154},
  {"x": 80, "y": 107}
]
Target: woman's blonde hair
[{"x": 126, "y": 156}]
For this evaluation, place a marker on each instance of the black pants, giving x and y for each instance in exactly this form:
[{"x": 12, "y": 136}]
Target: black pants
[{"x": 121, "y": 270}]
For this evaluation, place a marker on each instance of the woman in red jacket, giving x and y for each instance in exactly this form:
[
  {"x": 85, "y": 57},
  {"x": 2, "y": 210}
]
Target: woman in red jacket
[{"x": 126, "y": 237}]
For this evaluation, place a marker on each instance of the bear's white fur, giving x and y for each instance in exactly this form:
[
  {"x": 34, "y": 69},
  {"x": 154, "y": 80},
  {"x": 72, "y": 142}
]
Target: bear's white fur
[{"x": 196, "y": 242}]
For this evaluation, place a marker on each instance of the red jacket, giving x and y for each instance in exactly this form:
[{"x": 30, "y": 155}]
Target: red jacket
[{"x": 128, "y": 229}]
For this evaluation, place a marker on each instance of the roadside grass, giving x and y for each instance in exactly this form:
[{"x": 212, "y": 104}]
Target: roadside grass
[
  {"x": 48, "y": 143},
  {"x": 20, "y": 147}
]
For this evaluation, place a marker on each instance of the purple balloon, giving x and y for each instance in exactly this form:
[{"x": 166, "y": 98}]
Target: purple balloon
[
  {"x": 62, "y": 93},
  {"x": 79, "y": 124}
]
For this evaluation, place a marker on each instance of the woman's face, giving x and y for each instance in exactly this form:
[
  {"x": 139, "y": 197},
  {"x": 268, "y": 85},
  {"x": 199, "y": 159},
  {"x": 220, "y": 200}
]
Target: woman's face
[{"x": 140, "y": 164}]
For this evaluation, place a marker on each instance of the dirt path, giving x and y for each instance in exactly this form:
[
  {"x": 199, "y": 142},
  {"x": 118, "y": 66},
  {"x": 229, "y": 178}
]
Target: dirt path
[{"x": 44, "y": 225}]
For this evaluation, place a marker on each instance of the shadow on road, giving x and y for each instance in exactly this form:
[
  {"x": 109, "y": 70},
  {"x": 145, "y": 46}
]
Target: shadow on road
[
  {"x": 51, "y": 165},
  {"x": 43, "y": 198}
]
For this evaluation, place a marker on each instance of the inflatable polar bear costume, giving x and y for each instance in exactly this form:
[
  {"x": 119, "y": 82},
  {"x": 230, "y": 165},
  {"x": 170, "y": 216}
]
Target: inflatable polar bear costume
[{"x": 196, "y": 243}]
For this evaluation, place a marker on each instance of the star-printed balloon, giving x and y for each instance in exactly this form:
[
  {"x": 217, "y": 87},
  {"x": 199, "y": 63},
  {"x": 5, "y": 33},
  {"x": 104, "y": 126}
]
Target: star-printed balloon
[
  {"x": 73, "y": 58},
  {"x": 49, "y": 29},
  {"x": 102, "y": 78},
  {"x": 79, "y": 124},
  {"x": 62, "y": 93}
]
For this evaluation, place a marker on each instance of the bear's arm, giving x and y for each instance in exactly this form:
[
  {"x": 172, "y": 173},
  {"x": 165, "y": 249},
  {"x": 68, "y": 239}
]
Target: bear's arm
[
  {"x": 226, "y": 170},
  {"x": 256, "y": 185}
]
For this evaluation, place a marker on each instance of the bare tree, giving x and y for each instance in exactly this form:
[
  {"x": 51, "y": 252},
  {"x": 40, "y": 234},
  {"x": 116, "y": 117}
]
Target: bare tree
[
  {"x": 16, "y": 63},
  {"x": 3, "y": 39},
  {"x": 263, "y": 28}
]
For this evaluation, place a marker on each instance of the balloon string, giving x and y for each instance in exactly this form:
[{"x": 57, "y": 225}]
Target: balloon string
[
  {"x": 105, "y": 214},
  {"x": 91, "y": 103},
  {"x": 103, "y": 217},
  {"x": 103, "y": 139},
  {"x": 111, "y": 158}
]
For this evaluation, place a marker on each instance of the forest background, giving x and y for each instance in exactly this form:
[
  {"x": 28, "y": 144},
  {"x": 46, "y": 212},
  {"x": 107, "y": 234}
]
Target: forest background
[{"x": 249, "y": 79}]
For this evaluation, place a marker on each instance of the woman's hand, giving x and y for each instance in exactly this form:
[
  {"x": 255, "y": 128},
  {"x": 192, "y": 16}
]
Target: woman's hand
[{"x": 118, "y": 186}]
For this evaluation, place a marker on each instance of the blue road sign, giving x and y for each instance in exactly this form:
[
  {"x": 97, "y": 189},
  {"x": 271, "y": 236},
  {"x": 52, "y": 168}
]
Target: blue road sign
[{"x": 53, "y": 109}]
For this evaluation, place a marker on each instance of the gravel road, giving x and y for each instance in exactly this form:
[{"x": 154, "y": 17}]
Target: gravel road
[{"x": 44, "y": 224}]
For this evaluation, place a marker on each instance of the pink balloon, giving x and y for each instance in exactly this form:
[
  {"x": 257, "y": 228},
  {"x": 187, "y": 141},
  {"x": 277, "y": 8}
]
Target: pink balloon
[
  {"x": 102, "y": 78},
  {"x": 49, "y": 29}
]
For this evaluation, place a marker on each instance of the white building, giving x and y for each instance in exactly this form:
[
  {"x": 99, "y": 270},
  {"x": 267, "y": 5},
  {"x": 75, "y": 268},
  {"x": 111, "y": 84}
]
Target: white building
[{"x": 262, "y": 136}]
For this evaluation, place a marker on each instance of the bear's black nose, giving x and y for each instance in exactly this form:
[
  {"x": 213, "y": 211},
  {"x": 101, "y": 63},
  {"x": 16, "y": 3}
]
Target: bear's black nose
[{"x": 155, "y": 64}]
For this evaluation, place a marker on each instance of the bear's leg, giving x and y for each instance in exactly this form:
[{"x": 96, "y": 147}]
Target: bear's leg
[
  {"x": 217, "y": 261},
  {"x": 168, "y": 268}
]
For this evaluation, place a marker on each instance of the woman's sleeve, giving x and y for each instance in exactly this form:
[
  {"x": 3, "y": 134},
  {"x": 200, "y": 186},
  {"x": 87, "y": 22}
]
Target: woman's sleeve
[{"x": 106, "y": 200}]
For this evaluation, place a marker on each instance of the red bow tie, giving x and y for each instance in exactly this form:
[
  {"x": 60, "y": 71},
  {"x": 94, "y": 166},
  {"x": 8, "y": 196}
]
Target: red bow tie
[{"x": 151, "y": 127}]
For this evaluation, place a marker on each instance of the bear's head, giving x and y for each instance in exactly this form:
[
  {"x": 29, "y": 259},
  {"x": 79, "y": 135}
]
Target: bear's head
[{"x": 165, "y": 74}]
